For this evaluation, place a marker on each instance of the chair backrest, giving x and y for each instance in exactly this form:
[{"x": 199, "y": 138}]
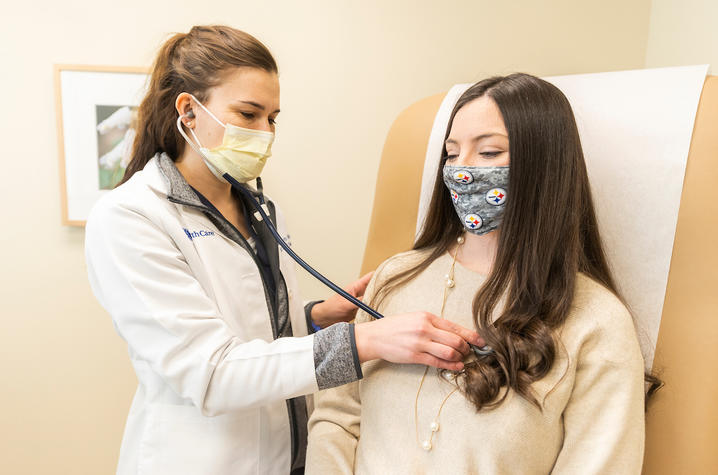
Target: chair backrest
[{"x": 675, "y": 294}]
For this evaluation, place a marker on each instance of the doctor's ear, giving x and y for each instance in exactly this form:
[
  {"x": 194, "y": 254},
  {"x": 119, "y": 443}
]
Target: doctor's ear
[{"x": 183, "y": 105}]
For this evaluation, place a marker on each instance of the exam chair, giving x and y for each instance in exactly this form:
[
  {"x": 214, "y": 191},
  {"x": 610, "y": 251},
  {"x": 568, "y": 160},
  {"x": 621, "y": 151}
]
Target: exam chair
[{"x": 682, "y": 418}]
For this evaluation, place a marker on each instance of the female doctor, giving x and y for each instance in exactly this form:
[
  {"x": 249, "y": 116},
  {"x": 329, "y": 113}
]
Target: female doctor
[{"x": 205, "y": 300}]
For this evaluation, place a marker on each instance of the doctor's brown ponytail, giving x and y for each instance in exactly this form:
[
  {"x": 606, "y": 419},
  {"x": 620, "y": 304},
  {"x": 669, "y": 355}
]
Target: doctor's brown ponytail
[{"x": 190, "y": 62}]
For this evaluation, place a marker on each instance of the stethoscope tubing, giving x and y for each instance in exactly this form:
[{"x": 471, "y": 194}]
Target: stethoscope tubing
[
  {"x": 257, "y": 206},
  {"x": 316, "y": 274}
]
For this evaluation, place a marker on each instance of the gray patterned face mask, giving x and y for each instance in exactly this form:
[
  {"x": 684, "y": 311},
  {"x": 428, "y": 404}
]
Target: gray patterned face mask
[{"x": 478, "y": 194}]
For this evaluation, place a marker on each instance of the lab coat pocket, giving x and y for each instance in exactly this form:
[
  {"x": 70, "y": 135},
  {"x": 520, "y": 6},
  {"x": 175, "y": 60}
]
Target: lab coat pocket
[{"x": 179, "y": 439}]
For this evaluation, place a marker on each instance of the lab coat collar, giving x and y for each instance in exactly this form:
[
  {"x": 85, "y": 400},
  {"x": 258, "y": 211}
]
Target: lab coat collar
[
  {"x": 169, "y": 181},
  {"x": 175, "y": 185}
]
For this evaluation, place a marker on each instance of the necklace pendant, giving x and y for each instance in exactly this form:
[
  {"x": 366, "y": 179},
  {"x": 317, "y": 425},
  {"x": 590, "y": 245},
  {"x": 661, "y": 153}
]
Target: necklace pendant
[
  {"x": 426, "y": 445},
  {"x": 434, "y": 426},
  {"x": 450, "y": 283}
]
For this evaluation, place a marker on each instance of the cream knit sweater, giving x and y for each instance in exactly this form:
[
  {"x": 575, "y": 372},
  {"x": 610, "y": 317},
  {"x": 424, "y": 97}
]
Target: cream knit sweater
[{"x": 592, "y": 420}]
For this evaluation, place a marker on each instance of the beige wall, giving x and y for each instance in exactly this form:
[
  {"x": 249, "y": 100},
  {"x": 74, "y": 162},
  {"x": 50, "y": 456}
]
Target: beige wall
[
  {"x": 683, "y": 32},
  {"x": 347, "y": 70}
]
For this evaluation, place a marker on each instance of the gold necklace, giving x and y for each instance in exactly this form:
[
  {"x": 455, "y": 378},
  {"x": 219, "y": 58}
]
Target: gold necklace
[{"x": 449, "y": 283}]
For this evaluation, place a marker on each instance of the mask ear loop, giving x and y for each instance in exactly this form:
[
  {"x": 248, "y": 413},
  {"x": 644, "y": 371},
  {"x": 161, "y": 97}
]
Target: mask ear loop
[
  {"x": 211, "y": 167},
  {"x": 208, "y": 112},
  {"x": 186, "y": 137},
  {"x": 191, "y": 131}
]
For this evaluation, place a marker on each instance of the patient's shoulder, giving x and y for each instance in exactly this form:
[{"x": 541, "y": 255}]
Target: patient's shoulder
[
  {"x": 601, "y": 321},
  {"x": 401, "y": 262},
  {"x": 594, "y": 302}
]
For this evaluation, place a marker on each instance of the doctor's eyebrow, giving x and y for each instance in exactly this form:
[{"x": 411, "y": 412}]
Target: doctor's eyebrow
[
  {"x": 477, "y": 138},
  {"x": 257, "y": 105}
]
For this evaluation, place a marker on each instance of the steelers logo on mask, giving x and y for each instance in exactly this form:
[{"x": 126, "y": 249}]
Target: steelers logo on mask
[
  {"x": 454, "y": 196},
  {"x": 463, "y": 177},
  {"x": 496, "y": 196},
  {"x": 473, "y": 221}
]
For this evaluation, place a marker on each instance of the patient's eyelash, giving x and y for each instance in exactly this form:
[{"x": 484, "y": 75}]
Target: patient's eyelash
[
  {"x": 449, "y": 157},
  {"x": 490, "y": 154}
]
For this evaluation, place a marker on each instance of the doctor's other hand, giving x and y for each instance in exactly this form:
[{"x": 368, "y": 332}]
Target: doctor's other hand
[
  {"x": 418, "y": 338},
  {"x": 336, "y": 308}
]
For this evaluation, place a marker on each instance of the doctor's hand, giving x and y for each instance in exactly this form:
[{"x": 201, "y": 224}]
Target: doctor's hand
[
  {"x": 336, "y": 308},
  {"x": 419, "y": 338}
]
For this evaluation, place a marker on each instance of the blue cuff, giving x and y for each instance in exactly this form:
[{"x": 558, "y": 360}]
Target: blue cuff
[{"x": 311, "y": 326}]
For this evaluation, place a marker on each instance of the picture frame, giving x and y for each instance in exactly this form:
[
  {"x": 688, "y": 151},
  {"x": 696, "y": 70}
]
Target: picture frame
[{"x": 96, "y": 113}]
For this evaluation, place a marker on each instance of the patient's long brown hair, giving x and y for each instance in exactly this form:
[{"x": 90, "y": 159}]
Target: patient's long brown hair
[{"x": 549, "y": 233}]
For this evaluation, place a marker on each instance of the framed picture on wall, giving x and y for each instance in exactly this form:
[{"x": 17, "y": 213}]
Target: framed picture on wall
[{"x": 96, "y": 117}]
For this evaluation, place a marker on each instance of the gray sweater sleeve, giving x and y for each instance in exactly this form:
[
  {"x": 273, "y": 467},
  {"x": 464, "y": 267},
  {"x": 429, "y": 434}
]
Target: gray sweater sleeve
[{"x": 336, "y": 361}]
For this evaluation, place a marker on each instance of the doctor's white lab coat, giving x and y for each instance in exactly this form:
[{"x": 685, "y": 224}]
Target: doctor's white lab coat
[{"x": 191, "y": 306}]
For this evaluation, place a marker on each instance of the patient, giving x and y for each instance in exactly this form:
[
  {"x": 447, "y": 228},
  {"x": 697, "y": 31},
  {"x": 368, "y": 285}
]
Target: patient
[{"x": 511, "y": 246}]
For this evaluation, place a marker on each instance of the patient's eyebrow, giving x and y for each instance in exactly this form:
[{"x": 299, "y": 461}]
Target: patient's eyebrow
[{"x": 477, "y": 138}]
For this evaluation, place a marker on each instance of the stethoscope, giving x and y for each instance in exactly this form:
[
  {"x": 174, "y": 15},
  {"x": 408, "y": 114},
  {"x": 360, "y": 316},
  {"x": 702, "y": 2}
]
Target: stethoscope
[{"x": 259, "y": 207}]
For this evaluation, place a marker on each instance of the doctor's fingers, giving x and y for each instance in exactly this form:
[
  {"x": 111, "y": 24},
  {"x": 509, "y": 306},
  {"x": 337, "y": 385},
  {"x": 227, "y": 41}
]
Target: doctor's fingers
[
  {"x": 359, "y": 287},
  {"x": 433, "y": 357},
  {"x": 444, "y": 344},
  {"x": 468, "y": 335}
]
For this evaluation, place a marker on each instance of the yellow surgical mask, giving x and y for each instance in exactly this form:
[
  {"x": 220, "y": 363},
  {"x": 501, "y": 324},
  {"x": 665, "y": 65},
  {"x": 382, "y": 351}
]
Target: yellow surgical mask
[{"x": 243, "y": 152}]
